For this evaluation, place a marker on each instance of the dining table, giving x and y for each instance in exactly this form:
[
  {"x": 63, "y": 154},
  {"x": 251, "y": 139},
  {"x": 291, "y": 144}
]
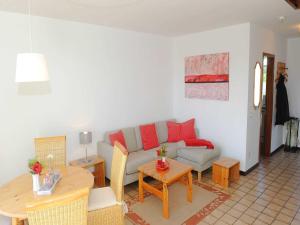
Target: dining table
[{"x": 16, "y": 194}]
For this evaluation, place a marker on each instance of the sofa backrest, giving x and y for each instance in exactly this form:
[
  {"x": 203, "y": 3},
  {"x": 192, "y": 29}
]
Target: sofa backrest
[
  {"x": 162, "y": 131},
  {"x": 129, "y": 135},
  {"x": 133, "y": 138}
]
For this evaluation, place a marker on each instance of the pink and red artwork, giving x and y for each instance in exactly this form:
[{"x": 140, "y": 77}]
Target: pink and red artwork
[{"x": 207, "y": 76}]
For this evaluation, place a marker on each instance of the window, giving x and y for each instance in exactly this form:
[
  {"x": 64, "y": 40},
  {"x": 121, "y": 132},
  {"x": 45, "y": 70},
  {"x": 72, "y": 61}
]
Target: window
[{"x": 257, "y": 85}]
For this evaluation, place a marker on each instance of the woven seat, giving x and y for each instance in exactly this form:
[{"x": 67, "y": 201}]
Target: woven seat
[
  {"x": 55, "y": 146},
  {"x": 106, "y": 204},
  {"x": 70, "y": 209}
]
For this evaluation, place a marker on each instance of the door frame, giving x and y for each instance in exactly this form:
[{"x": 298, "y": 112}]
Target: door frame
[{"x": 269, "y": 102}]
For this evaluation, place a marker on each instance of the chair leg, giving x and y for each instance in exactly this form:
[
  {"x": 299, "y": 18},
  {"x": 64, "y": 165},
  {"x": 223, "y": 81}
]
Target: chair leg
[
  {"x": 199, "y": 176},
  {"x": 16, "y": 221}
]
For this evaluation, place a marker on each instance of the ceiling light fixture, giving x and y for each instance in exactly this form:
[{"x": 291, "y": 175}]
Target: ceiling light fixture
[{"x": 31, "y": 67}]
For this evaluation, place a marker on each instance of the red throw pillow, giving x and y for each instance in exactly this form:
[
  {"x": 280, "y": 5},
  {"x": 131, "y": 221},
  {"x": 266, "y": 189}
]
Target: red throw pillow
[
  {"x": 149, "y": 136},
  {"x": 118, "y": 136},
  {"x": 188, "y": 130},
  {"x": 181, "y": 131},
  {"x": 174, "y": 131}
]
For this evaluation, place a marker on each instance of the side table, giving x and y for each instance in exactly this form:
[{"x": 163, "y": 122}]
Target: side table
[
  {"x": 225, "y": 170},
  {"x": 93, "y": 161}
]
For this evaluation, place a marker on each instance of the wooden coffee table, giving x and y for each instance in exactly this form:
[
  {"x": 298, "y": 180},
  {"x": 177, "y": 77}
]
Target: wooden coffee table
[{"x": 177, "y": 172}]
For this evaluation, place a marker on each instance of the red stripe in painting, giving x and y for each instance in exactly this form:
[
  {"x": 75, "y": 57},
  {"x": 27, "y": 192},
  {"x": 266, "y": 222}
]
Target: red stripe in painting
[{"x": 205, "y": 78}]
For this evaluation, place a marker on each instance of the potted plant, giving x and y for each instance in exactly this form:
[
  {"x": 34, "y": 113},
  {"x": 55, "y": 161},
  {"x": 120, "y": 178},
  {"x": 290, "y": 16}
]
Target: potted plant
[
  {"x": 35, "y": 168},
  {"x": 162, "y": 152}
]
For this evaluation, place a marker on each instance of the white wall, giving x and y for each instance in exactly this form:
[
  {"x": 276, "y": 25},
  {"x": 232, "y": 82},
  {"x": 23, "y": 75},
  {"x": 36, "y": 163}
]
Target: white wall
[
  {"x": 293, "y": 83},
  {"x": 223, "y": 122},
  {"x": 101, "y": 79},
  {"x": 262, "y": 40}
]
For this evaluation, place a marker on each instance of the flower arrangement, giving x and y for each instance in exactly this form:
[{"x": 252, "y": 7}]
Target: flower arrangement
[
  {"x": 162, "y": 152},
  {"x": 35, "y": 167},
  {"x": 161, "y": 163}
]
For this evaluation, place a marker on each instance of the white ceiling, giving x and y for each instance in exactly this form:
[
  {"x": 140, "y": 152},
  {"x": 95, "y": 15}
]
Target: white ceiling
[{"x": 166, "y": 17}]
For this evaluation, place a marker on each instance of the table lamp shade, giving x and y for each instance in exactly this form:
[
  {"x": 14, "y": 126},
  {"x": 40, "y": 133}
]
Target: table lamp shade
[
  {"x": 31, "y": 67},
  {"x": 85, "y": 137}
]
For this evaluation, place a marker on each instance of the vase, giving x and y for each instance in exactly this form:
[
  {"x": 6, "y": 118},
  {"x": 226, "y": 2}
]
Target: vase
[
  {"x": 163, "y": 159},
  {"x": 35, "y": 182}
]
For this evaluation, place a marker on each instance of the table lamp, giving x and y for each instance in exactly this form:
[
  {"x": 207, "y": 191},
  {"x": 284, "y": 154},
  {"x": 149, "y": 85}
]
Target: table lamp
[{"x": 85, "y": 138}]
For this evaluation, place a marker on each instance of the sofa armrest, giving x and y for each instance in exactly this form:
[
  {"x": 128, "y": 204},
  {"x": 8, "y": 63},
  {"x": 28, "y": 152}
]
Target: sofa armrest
[{"x": 106, "y": 152}]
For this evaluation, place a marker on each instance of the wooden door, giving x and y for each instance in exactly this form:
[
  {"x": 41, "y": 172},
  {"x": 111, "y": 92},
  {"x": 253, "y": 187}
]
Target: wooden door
[{"x": 269, "y": 103}]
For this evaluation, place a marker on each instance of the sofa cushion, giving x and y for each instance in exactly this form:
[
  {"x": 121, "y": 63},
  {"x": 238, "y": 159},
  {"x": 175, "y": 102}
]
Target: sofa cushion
[
  {"x": 130, "y": 138},
  {"x": 138, "y": 137},
  {"x": 162, "y": 131},
  {"x": 188, "y": 130},
  {"x": 129, "y": 135},
  {"x": 118, "y": 136},
  {"x": 106, "y": 136},
  {"x": 149, "y": 136},
  {"x": 172, "y": 148},
  {"x": 198, "y": 155},
  {"x": 181, "y": 131},
  {"x": 138, "y": 158},
  {"x": 174, "y": 133},
  {"x": 100, "y": 198}
]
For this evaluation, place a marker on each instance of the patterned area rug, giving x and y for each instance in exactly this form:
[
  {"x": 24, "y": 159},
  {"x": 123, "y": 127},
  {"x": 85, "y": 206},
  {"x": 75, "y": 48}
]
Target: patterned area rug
[{"x": 205, "y": 200}]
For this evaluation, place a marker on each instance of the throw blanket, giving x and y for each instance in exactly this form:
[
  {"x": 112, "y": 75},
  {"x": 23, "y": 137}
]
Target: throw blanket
[{"x": 199, "y": 142}]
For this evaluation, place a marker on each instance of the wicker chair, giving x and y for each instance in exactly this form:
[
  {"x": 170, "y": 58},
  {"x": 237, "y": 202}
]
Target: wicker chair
[
  {"x": 106, "y": 205},
  {"x": 56, "y": 146},
  {"x": 70, "y": 209}
]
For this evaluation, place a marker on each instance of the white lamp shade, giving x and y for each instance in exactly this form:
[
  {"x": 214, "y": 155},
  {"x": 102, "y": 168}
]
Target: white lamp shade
[
  {"x": 31, "y": 67},
  {"x": 85, "y": 137}
]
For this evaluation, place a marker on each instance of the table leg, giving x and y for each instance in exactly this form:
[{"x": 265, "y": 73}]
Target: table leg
[
  {"x": 199, "y": 177},
  {"x": 225, "y": 177},
  {"x": 165, "y": 201},
  {"x": 214, "y": 173},
  {"x": 190, "y": 187},
  {"x": 141, "y": 191},
  {"x": 235, "y": 173},
  {"x": 97, "y": 174},
  {"x": 16, "y": 221},
  {"x": 102, "y": 174}
]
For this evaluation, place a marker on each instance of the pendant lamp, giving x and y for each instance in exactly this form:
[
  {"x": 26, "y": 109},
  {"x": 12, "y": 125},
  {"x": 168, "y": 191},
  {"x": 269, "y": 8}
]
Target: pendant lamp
[{"x": 31, "y": 67}]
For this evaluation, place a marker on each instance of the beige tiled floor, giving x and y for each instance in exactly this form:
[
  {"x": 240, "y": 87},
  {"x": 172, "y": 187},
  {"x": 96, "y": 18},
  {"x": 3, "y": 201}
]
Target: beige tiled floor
[{"x": 270, "y": 194}]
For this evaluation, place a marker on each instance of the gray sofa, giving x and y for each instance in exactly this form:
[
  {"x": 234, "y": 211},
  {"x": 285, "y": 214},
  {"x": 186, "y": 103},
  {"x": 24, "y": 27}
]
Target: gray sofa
[{"x": 199, "y": 158}]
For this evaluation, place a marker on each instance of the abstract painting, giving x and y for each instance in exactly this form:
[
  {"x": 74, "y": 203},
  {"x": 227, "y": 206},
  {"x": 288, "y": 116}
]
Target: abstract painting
[{"x": 207, "y": 76}]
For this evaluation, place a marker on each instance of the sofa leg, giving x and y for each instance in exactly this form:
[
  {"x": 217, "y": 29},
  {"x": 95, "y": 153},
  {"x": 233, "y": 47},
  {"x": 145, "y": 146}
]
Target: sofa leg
[{"x": 199, "y": 176}]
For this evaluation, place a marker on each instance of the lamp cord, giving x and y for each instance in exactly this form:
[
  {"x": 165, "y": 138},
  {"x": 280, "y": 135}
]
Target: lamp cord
[{"x": 29, "y": 25}]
